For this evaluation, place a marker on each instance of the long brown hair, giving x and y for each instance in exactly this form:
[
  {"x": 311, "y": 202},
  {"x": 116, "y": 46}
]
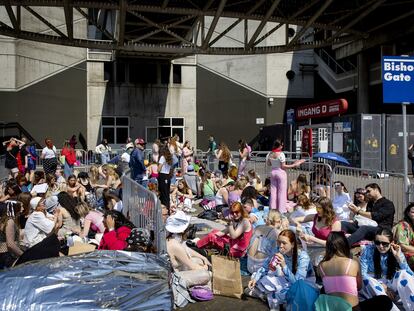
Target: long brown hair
[
  {"x": 328, "y": 211},
  {"x": 292, "y": 239},
  {"x": 225, "y": 155},
  {"x": 164, "y": 151}
]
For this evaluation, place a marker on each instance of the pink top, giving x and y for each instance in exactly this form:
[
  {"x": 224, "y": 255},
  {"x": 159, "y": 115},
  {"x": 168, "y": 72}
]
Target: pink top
[
  {"x": 96, "y": 219},
  {"x": 340, "y": 283},
  {"x": 321, "y": 233}
]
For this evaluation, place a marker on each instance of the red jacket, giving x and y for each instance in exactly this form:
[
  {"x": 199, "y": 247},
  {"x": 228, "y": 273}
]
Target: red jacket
[
  {"x": 70, "y": 155},
  {"x": 115, "y": 239}
]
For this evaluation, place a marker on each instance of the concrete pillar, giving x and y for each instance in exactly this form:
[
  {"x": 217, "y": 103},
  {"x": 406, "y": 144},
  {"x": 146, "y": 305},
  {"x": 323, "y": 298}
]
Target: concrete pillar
[
  {"x": 96, "y": 97},
  {"x": 363, "y": 83}
]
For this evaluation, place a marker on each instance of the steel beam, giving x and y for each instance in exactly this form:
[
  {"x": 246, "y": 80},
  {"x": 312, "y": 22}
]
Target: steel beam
[
  {"x": 262, "y": 24},
  {"x": 44, "y": 21},
  {"x": 11, "y": 15},
  {"x": 121, "y": 21},
  {"x": 213, "y": 24},
  {"x": 68, "y": 8}
]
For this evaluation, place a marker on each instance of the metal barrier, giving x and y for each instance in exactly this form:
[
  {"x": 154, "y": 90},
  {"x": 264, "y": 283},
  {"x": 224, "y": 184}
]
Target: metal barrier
[
  {"x": 391, "y": 184},
  {"x": 143, "y": 208}
]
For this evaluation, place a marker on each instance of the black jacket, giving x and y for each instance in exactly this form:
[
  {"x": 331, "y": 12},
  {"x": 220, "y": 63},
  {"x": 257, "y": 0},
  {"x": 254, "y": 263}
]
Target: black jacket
[{"x": 382, "y": 211}]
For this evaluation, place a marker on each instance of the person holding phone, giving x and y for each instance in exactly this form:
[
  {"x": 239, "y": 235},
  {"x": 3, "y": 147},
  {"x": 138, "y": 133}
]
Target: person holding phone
[
  {"x": 385, "y": 271},
  {"x": 288, "y": 265}
]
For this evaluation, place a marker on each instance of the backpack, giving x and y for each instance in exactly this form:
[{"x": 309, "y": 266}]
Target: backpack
[{"x": 209, "y": 215}]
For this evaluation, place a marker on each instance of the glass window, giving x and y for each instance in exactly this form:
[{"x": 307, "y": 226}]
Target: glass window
[
  {"x": 164, "y": 121},
  {"x": 179, "y": 131},
  {"x": 108, "y": 121},
  {"x": 109, "y": 134},
  {"x": 177, "y": 121},
  {"x": 177, "y": 74},
  {"x": 122, "y": 121},
  {"x": 164, "y": 132},
  {"x": 121, "y": 135},
  {"x": 165, "y": 73}
]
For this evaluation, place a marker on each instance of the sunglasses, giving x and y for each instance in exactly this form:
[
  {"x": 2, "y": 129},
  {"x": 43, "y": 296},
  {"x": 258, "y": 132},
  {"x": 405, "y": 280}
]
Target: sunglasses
[
  {"x": 385, "y": 244},
  {"x": 235, "y": 212}
]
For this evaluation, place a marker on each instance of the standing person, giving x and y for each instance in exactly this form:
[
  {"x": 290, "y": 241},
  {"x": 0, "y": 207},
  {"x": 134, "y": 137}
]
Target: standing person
[
  {"x": 341, "y": 276},
  {"x": 187, "y": 155},
  {"x": 103, "y": 150},
  {"x": 193, "y": 180},
  {"x": 278, "y": 180},
  {"x": 31, "y": 160},
  {"x": 211, "y": 152},
  {"x": 244, "y": 155},
  {"x": 12, "y": 149},
  {"x": 49, "y": 157},
  {"x": 378, "y": 209},
  {"x": 156, "y": 150},
  {"x": 136, "y": 162},
  {"x": 22, "y": 157},
  {"x": 223, "y": 155},
  {"x": 73, "y": 141},
  {"x": 165, "y": 164},
  {"x": 69, "y": 159}
]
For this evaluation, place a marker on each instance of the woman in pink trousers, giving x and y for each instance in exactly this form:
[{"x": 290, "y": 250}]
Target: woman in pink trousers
[{"x": 278, "y": 177}]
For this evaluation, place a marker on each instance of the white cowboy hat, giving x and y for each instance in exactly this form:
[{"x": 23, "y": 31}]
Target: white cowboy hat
[{"x": 178, "y": 222}]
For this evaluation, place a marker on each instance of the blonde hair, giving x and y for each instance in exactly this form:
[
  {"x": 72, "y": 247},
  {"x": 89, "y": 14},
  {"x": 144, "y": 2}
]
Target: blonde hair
[
  {"x": 241, "y": 184},
  {"x": 83, "y": 209},
  {"x": 272, "y": 217},
  {"x": 94, "y": 170},
  {"x": 110, "y": 171}
]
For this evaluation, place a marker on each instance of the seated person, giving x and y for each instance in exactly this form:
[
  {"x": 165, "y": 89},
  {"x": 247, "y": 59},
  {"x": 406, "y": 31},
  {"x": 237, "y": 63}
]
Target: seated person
[
  {"x": 404, "y": 234},
  {"x": 74, "y": 188},
  {"x": 263, "y": 241},
  {"x": 288, "y": 265},
  {"x": 237, "y": 234},
  {"x": 341, "y": 277},
  {"x": 117, "y": 230},
  {"x": 39, "y": 224},
  {"x": 69, "y": 218},
  {"x": 304, "y": 207},
  {"x": 341, "y": 201},
  {"x": 385, "y": 271},
  {"x": 379, "y": 209},
  {"x": 93, "y": 220},
  {"x": 187, "y": 263}
]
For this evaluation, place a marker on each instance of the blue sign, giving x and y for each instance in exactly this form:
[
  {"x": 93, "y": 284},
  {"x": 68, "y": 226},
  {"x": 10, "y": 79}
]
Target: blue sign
[
  {"x": 290, "y": 116},
  {"x": 398, "y": 79}
]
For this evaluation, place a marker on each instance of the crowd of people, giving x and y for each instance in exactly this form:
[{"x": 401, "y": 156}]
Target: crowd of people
[{"x": 347, "y": 246}]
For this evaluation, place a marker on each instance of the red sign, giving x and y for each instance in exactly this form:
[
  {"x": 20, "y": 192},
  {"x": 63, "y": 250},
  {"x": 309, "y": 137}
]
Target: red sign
[
  {"x": 324, "y": 109},
  {"x": 307, "y": 142}
]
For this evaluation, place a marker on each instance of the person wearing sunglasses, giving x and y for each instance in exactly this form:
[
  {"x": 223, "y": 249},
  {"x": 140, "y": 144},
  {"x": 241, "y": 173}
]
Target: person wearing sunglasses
[
  {"x": 385, "y": 271},
  {"x": 237, "y": 234}
]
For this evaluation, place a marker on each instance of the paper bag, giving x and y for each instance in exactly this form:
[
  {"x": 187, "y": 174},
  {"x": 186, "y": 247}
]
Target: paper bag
[{"x": 226, "y": 277}]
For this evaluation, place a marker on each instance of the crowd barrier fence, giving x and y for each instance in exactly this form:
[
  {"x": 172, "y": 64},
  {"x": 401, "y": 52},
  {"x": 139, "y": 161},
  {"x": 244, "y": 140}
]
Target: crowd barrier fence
[{"x": 143, "y": 208}]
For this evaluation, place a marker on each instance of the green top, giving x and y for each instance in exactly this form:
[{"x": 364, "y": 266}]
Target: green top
[{"x": 208, "y": 188}]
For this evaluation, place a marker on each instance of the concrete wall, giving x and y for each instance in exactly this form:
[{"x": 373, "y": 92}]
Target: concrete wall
[
  {"x": 142, "y": 103},
  {"x": 226, "y": 110},
  {"x": 54, "y": 107}
]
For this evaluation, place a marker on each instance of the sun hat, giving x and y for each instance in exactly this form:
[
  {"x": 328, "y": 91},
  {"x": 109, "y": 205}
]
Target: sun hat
[
  {"x": 178, "y": 222},
  {"x": 34, "y": 202},
  {"x": 51, "y": 203}
]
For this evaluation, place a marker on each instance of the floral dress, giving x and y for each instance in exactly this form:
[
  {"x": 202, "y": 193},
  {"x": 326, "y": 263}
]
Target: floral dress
[{"x": 404, "y": 234}]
